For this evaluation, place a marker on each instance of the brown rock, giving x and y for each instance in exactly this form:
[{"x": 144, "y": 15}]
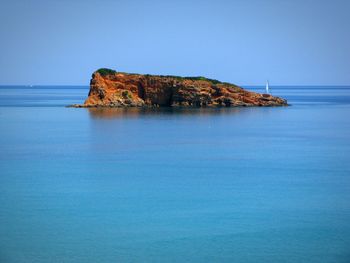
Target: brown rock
[{"x": 109, "y": 88}]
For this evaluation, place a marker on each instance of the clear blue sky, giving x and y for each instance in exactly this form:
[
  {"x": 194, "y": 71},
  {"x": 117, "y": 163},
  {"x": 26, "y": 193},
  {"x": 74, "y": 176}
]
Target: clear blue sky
[{"x": 245, "y": 42}]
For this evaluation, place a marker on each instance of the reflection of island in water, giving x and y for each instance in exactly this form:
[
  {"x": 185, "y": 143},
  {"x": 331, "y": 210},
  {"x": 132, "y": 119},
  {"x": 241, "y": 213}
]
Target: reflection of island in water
[{"x": 133, "y": 112}]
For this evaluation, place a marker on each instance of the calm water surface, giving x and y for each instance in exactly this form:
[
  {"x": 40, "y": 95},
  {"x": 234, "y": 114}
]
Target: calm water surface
[{"x": 174, "y": 185}]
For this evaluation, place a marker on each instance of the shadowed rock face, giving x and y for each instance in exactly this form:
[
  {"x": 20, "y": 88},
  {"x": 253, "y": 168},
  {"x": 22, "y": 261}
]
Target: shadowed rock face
[{"x": 115, "y": 89}]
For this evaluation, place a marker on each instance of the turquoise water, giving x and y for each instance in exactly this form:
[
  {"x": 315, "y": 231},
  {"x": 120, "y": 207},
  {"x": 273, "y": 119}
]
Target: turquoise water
[{"x": 174, "y": 185}]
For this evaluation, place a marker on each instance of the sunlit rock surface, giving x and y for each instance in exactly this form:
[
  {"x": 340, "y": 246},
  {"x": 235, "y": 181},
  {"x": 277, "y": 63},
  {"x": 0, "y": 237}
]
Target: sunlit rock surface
[{"x": 109, "y": 88}]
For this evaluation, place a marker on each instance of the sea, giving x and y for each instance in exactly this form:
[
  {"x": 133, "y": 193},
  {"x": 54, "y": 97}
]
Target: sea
[{"x": 263, "y": 184}]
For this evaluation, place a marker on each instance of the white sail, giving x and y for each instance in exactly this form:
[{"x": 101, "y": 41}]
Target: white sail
[{"x": 267, "y": 87}]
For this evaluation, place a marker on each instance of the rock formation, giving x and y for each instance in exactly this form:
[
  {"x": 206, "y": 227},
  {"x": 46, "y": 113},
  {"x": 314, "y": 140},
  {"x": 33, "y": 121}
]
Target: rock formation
[{"x": 109, "y": 88}]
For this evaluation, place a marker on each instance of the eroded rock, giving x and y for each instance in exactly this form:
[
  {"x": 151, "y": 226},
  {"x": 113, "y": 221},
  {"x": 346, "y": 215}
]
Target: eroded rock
[{"x": 109, "y": 88}]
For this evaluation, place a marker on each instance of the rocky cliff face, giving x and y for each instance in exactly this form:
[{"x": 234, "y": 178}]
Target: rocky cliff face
[{"x": 114, "y": 89}]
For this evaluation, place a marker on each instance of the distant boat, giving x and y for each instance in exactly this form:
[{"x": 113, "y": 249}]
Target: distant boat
[{"x": 267, "y": 87}]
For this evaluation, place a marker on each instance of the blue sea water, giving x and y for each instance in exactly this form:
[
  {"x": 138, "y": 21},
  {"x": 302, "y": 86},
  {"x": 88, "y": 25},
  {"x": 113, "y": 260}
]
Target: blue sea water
[{"x": 174, "y": 185}]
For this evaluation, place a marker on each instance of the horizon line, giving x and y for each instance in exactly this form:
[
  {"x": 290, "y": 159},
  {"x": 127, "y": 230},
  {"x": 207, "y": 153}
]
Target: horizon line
[{"x": 241, "y": 85}]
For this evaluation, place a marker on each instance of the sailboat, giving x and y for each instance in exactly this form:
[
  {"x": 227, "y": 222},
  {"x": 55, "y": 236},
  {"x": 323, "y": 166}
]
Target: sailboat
[{"x": 267, "y": 87}]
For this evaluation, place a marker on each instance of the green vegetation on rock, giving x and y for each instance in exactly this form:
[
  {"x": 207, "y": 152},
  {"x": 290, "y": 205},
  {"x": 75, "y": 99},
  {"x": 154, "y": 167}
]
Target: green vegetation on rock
[
  {"x": 126, "y": 94},
  {"x": 214, "y": 81},
  {"x": 105, "y": 71}
]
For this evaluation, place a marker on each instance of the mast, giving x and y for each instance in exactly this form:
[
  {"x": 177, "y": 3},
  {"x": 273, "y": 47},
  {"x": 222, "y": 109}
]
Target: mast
[{"x": 267, "y": 87}]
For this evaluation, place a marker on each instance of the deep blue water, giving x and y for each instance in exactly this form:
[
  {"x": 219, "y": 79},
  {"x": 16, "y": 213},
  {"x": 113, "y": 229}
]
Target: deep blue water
[{"x": 174, "y": 185}]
